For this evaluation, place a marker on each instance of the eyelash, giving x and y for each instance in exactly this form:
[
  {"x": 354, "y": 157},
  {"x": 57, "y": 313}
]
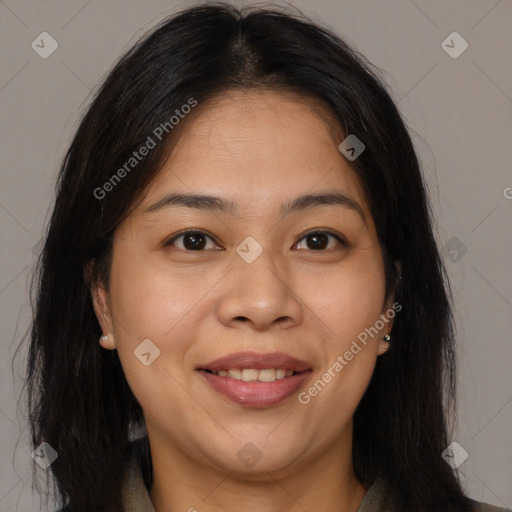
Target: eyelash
[{"x": 199, "y": 232}]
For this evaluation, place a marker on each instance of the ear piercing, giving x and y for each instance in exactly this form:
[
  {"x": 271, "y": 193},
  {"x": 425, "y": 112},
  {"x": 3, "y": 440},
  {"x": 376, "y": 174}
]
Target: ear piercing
[
  {"x": 103, "y": 338},
  {"x": 387, "y": 337}
]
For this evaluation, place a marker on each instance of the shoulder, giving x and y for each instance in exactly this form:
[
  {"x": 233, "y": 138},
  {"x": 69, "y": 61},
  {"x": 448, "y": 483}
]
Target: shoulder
[{"x": 484, "y": 507}]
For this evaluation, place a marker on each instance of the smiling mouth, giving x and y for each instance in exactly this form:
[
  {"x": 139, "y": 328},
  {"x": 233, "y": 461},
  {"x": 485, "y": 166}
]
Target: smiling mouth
[
  {"x": 255, "y": 379},
  {"x": 256, "y": 388}
]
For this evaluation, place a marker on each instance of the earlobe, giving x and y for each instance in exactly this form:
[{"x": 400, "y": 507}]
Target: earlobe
[
  {"x": 101, "y": 309},
  {"x": 107, "y": 341},
  {"x": 384, "y": 344}
]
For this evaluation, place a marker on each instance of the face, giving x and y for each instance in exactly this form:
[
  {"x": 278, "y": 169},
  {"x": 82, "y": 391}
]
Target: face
[{"x": 243, "y": 338}]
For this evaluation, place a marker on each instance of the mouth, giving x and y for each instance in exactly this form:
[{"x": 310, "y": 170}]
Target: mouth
[{"x": 256, "y": 380}]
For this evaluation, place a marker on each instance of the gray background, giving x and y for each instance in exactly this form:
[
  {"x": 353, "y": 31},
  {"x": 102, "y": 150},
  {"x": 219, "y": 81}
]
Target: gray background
[{"x": 458, "y": 111}]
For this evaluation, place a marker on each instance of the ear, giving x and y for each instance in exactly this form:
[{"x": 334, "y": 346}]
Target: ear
[
  {"x": 390, "y": 310},
  {"x": 100, "y": 301}
]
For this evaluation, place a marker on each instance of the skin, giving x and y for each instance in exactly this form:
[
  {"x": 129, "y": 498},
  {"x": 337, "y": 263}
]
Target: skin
[{"x": 257, "y": 149}]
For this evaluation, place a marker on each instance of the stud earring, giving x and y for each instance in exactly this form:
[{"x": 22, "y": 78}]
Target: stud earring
[
  {"x": 387, "y": 337},
  {"x": 103, "y": 338}
]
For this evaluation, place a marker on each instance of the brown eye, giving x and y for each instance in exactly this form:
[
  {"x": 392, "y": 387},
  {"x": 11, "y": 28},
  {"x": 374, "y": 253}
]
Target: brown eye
[
  {"x": 191, "y": 241},
  {"x": 319, "y": 240}
]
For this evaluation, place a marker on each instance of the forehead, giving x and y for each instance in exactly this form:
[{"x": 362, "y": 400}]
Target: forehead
[{"x": 257, "y": 146}]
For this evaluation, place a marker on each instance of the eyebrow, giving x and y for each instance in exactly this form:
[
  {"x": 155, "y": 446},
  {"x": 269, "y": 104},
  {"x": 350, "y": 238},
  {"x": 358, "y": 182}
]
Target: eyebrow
[{"x": 216, "y": 203}]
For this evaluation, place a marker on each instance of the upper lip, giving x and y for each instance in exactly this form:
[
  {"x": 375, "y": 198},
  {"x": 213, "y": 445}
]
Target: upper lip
[{"x": 257, "y": 361}]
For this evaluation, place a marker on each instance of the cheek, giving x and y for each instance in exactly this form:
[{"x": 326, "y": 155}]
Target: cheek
[
  {"x": 349, "y": 302},
  {"x": 151, "y": 303},
  {"x": 149, "y": 300}
]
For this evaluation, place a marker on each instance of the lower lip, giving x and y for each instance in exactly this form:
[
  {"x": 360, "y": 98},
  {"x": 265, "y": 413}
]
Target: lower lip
[{"x": 256, "y": 394}]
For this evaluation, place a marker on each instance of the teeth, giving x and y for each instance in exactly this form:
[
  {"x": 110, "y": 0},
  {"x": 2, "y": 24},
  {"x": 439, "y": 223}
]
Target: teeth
[
  {"x": 249, "y": 375},
  {"x": 235, "y": 373},
  {"x": 252, "y": 375},
  {"x": 267, "y": 375},
  {"x": 280, "y": 374}
]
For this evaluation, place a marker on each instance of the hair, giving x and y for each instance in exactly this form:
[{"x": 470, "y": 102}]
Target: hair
[{"x": 78, "y": 398}]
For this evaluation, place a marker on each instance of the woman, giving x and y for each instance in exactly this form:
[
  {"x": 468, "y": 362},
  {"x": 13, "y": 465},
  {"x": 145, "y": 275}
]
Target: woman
[{"x": 240, "y": 262}]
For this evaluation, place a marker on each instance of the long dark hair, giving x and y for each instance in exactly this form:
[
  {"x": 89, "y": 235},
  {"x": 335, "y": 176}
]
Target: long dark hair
[{"x": 79, "y": 400}]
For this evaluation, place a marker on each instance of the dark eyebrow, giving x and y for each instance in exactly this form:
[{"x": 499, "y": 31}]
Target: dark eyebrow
[
  {"x": 320, "y": 199},
  {"x": 216, "y": 203},
  {"x": 200, "y": 202}
]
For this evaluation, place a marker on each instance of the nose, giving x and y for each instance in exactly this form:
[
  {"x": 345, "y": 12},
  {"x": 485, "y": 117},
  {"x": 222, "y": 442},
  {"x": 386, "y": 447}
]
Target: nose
[{"x": 259, "y": 295}]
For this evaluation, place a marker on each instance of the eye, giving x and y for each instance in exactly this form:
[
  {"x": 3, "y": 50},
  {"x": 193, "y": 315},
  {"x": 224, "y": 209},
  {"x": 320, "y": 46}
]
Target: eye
[
  {"x": 318, "y": 240},
  {"x": 193, "y": 240}
]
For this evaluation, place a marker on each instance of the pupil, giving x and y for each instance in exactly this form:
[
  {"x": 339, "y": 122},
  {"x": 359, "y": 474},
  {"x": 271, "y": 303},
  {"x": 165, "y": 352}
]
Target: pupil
[
  {"x": 198, "y": 241},
  {"x": 320, "y": 241}
]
